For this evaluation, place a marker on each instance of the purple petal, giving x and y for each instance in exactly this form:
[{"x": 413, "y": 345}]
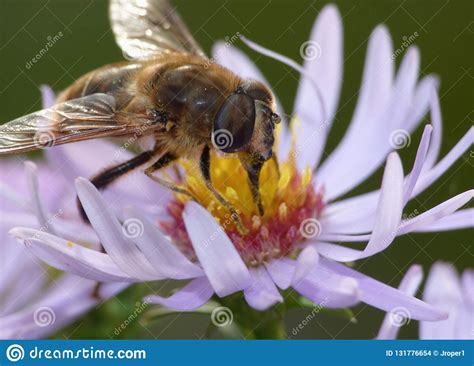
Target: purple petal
[
  {"x": 88, "y": 158},
  {"x": 71, "y": 257},
  {"x": 418, "y": 164},
  {"x": 439, "y": 218},
  {"x": 217, "y": 255},
  {"x": 404, "y": 90},
  {"x": 409, "y": 285},
  {"x": 467, "y": 281},
  {"x": 412, "y": 280},
  {"x": 466, "y": 314},
  {"x": 32, "y": 180},
  {"x": 112, "y": 235},
  {"x": 22, "y": 275},
  {"x": 385, "y": 297},
  {"x": 15, "y": 192},
  {"x": 382, "y": 121},
  {"x": 430, "y": 176},
  {"x": 192, "y": 296},
  {"x": 262, "y": 293},
  {"x": 462, "y": 219},
  {"x": 388, "y": 216},
  {"x": 326, "y": 67},
  {"x": 67, "y": 299},
  {"x": 373, "y": 98},
  {"x": 161, "y": 252},
  {"x": 436, "y": 121},
  {"x": 436, "y": 213},
  {"x": 306, "y": 262},
  {"x": 47, "y": 95},
  {"x": 356, "y": 215},
  {"x": 421, "y": 101},
  {"x": 281, "y": 271},
  {"x": 328, "y": 289},
  {"x": 443, "y": 290}
]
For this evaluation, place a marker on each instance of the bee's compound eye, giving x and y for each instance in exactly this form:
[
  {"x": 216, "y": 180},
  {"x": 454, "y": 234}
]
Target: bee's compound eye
[{"x": 234, "y": 124}]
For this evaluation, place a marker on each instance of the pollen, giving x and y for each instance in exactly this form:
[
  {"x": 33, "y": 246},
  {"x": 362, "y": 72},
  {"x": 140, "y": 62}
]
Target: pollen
[{"x": 288, "y": 198}]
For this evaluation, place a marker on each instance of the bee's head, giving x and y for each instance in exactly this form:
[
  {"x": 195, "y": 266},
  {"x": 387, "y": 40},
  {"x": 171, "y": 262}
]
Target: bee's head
[
  {"x": 246, "y": 121},
  {"x": 245, "y": 125}
]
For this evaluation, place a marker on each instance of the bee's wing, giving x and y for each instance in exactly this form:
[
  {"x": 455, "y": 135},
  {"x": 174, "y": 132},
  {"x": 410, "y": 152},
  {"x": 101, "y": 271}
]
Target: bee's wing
[
  {"x": 148, "y": 28},
  {"x": 79, "y": 119}
]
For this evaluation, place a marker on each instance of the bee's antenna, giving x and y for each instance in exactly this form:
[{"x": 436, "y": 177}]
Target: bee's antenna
[{"x": 291, "y": 63}]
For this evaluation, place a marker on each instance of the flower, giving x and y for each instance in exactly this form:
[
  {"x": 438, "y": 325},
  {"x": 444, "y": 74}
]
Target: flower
[
  {"x": 296, "y": 243},
  {"x": 35, "y": 304},
  {"x": 445, "y": 290}
]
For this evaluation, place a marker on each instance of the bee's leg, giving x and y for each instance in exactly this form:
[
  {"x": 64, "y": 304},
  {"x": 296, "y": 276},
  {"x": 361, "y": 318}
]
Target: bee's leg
[
  {"x": 253, "y": 165},
  {"x": 165, "y": 160},
  {"x": 103, "y": 179},
  {"x": 205, "y": 166}
]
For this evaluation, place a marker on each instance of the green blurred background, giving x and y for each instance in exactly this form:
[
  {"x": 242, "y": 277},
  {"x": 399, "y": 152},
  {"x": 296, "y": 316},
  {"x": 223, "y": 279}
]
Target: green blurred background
[{"x": 444, "y": 30}]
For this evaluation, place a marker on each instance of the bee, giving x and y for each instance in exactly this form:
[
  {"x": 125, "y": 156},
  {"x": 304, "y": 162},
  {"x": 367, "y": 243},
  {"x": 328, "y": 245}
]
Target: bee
[{"x": 167, "y": 89}]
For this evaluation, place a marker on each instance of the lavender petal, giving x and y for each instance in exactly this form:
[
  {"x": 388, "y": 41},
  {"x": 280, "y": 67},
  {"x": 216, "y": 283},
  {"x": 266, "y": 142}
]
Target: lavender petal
[
  {"x": 221, "y": 262},
  {"x": 112, "y": 235},
  {"x": 385, "y": 297},
  {"x": 409, "y": 285},
  {"x": 462, "y": 219},
  {"x": 374, "y": 95},
  {"x": 436, "y": 213},
  {"x": 262, "y": 293},
  {"x": 388, "y": 217},
  {"x": 47, "y": 96},
  {"x": 323, "y": 55},
  {"x": 71, "y": 257},
  {"x": 328, "y": 289},
  {"x": 161, "y": 252},
  {"x": 281, "y": 271},
  {"x": 192, "y": 296}
]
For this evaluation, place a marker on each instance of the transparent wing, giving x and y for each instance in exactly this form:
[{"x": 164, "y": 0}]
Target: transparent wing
[
  {"x": 149, "y": 28},
  {"x": 79, "y": 119}
]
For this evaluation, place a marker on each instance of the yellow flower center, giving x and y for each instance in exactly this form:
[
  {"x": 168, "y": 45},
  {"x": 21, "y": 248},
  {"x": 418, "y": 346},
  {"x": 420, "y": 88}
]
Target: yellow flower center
[{"x": 289, "y": 199}]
